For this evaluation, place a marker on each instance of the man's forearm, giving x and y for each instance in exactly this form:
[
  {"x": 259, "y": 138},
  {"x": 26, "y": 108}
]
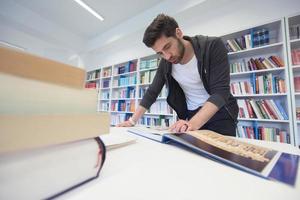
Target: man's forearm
[
  {"x": 139, "y": 112},
  {"x": 207, "y": 111}
]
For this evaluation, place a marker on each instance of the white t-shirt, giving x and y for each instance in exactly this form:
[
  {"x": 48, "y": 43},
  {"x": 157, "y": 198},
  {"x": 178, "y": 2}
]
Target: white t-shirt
[{"x": 188, "y": 77}]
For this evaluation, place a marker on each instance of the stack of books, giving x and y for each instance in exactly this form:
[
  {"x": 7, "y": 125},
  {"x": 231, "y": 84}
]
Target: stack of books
[{"x": 49, "y": 127}]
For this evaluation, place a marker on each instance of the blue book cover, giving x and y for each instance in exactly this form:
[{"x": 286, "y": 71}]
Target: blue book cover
[
  {"x": 253, "y": 82},
  {"x": 260, "y": 161},
  {"x": 281, "y": 109}
]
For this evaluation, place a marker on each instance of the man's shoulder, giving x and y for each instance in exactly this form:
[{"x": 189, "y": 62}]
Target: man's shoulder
[{"x": 207, "y": 39}]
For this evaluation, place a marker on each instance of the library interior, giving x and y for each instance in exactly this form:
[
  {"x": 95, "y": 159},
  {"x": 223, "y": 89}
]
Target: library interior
[{"x": 159, "y": 99}]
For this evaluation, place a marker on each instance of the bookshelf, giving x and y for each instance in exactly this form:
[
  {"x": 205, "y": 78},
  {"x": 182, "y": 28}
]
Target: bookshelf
[
  {"x": 259, "y": 76},
  {"x": 122, "y": 86},
  {"x": 123, "y": 91},
  {"x": 293, "y": 49},
  {"x": 104, "y": 93},
  {"x": 92, "y": 79},
  {"x": 160, "y": 113}
]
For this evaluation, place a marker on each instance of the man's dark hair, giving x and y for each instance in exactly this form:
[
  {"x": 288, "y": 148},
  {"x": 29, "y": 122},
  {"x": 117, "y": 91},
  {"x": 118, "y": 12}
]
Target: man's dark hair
[{"x": 161, "y": 25}]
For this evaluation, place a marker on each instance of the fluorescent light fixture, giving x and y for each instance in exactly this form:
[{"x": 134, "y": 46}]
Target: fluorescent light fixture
[
  {"x": 85, "y": 6},
  {"x": 7, "y": 44}
]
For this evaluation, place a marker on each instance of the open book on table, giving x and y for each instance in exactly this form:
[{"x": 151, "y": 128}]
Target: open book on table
[{"x": 257, "y": 160}]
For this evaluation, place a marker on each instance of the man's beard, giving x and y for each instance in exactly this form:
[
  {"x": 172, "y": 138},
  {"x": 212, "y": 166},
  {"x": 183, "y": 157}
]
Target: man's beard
[{"x": 181, "y": 50}]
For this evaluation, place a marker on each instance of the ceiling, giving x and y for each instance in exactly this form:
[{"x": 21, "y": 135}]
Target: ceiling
[
  {"x": 66, "y": 25},
  {"x": 64, "y": 22},
  {"x": 71, "y": 16}
]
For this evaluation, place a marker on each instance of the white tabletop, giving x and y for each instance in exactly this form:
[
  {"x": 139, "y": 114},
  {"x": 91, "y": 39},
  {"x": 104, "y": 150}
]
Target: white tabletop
[{"x": 152, "y": 170}]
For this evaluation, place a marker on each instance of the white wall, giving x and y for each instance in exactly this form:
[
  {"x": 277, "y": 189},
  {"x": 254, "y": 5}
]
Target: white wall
[
  {"x": 210, "y": 18},
  {"x": 37, "y": 46},
  {"x": 23, "y": 27}
]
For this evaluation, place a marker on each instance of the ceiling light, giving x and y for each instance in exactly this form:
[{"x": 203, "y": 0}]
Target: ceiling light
[{"x": 85, "y": 6}]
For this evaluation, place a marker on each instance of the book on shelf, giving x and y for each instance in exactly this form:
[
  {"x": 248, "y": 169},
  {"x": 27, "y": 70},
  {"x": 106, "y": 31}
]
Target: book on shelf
[
  {"x": 298, "y": 113},
  {"x": 125, "y": 80},
  {"x": 294, "y": 31},
  {"x": 91, "y": 75},
  {"x": 119, "y": 117},
  {"x": 148, "y": 64},
  {"x": 123, "y": 105},
  {"x": 105, "y": 83},
  {"x": 261, "y": 109},
  {"x": 160, "y": 107},
  {"x": 257, "y": 160},
  {"x": 128, "y": 92},
  {"x": 126, "y": 68},
  {"x": 262, "y": 84},
  {"x": 254, "y": 39},
  {"x": 156, "y": 120},
  {"x": 147, "y": 76},
  {"x": 295, "y": 56},
  {"x": 29, "y": 66},
  {"x": 92, "y": 85},
  {"x": 259, "y": 63},
  {"x": 45, "y": 173},
  {"x": 264, "y": 133},
  {"x": 106, "y": 72},
  {"x": 297, "y": 83}
]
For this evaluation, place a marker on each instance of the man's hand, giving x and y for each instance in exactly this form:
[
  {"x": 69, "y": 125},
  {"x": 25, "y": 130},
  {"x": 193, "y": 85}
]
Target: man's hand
[
  {"x": 125, "y": 124},
  {"x": 182, "y": 126}
]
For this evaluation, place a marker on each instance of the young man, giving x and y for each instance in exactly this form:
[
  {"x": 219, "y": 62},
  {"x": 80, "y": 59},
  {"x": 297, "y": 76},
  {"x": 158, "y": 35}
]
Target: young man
[{"x": 196, "y": 73}]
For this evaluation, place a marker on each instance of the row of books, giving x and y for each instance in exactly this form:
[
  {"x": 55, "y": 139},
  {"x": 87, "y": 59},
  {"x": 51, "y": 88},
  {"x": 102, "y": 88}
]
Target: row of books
[
  {"x": 297, "y": 83},
  {"x": 125, "y": 80},
  {"x": 298, "y": 113},
  {"x": 254, "y": 39},
  {"x": 106, "y": 83},
  {"x": 123, "y": 105},
  {"x": 106, "y": 72},
  {"x": 118, "y": 118},
  {"x": 128, "y": 67},
  {"x": 256, "y": 64},
  {"x": 147, "y": 76},
  {"x": 93, "y": 84},
  {"x": 104, "y": 106},
  {"x": 296, "y": 56},
  {"x": 162, "y": 121},
  {"x": 263, "y": 84},
  {"x": 148, "y": 64},
  {"x": 261, "y": 109},
  {"x": 160, "y": 107},
  {"x": 128, "y": 92},
  {"x": 294, "y": 31},
  {"x": 93, "y": 75},
  {"x": 264, "y": 133},
  {"x": 104, "y": 95},
  {"x": 163, "y": 93}
]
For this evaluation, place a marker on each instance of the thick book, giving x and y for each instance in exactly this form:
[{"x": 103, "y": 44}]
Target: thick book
[
  {"x": 21, "y": 132},
  {"x": 46, "y": 173},
  {"x": 27, "y": 96},
  {"x": 29, "y": 66},
  {"x": 260, "y": 161}
]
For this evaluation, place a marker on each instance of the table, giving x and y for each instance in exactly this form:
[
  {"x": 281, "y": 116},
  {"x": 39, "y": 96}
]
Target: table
[{"x": 152, "y": 170}]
